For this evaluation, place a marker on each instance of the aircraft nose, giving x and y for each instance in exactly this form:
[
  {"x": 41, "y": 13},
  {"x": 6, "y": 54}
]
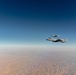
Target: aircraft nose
[{"x": 46, "y": 39}]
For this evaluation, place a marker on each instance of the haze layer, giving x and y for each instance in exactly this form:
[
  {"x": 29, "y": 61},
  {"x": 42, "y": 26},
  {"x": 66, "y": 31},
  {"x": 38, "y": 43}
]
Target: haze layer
[{"x": 25, "y": 61}]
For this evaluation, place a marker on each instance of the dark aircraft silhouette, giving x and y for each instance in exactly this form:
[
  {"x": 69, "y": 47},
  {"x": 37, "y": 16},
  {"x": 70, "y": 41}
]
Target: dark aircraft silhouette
[
  {"x": 55, "y": 35},
  {"x": 56, "y": 39}
]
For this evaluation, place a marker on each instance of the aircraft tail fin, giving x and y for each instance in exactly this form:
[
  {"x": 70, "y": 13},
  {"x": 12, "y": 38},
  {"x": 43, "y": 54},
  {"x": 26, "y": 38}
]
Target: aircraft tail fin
[{"x": 65, "y": 40}]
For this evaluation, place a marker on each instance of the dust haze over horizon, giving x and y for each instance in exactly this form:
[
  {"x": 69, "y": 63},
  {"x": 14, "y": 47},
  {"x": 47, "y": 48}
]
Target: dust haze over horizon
[{"x": 34, "y": 61}]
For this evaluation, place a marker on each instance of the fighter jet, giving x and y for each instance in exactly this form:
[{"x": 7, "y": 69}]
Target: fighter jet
[
  {"x": 57, "y": 39},
  {"x": 53, "y": 35}
]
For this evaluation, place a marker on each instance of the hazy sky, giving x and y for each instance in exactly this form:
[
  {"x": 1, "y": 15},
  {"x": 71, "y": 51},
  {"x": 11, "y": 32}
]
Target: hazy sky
[{"x": 32, "y": 21}]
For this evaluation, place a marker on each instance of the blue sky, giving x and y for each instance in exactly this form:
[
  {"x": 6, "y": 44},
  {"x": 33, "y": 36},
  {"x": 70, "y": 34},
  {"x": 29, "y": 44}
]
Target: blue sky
[{"x": 31, "y": 22}]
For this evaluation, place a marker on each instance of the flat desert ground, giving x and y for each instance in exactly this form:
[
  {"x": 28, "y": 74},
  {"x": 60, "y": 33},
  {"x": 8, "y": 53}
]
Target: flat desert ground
[{"x": 37, "y": 62}]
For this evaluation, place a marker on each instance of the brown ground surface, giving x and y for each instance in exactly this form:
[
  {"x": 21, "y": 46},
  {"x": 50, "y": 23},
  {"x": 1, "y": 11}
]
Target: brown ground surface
[{"x": 20, "y": 62}]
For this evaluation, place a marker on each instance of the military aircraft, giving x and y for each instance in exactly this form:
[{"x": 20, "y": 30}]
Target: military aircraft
[
  {"x": 54, "y": 35},
  {"x": 56, "y": 39}
]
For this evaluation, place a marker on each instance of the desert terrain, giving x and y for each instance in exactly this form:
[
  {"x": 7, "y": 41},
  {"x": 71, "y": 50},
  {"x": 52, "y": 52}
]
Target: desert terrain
[{"x": 42, "y": 62}]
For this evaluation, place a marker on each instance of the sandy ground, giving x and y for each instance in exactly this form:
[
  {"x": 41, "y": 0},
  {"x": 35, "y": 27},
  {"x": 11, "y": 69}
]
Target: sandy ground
[{"x": 22, "y": 62}]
